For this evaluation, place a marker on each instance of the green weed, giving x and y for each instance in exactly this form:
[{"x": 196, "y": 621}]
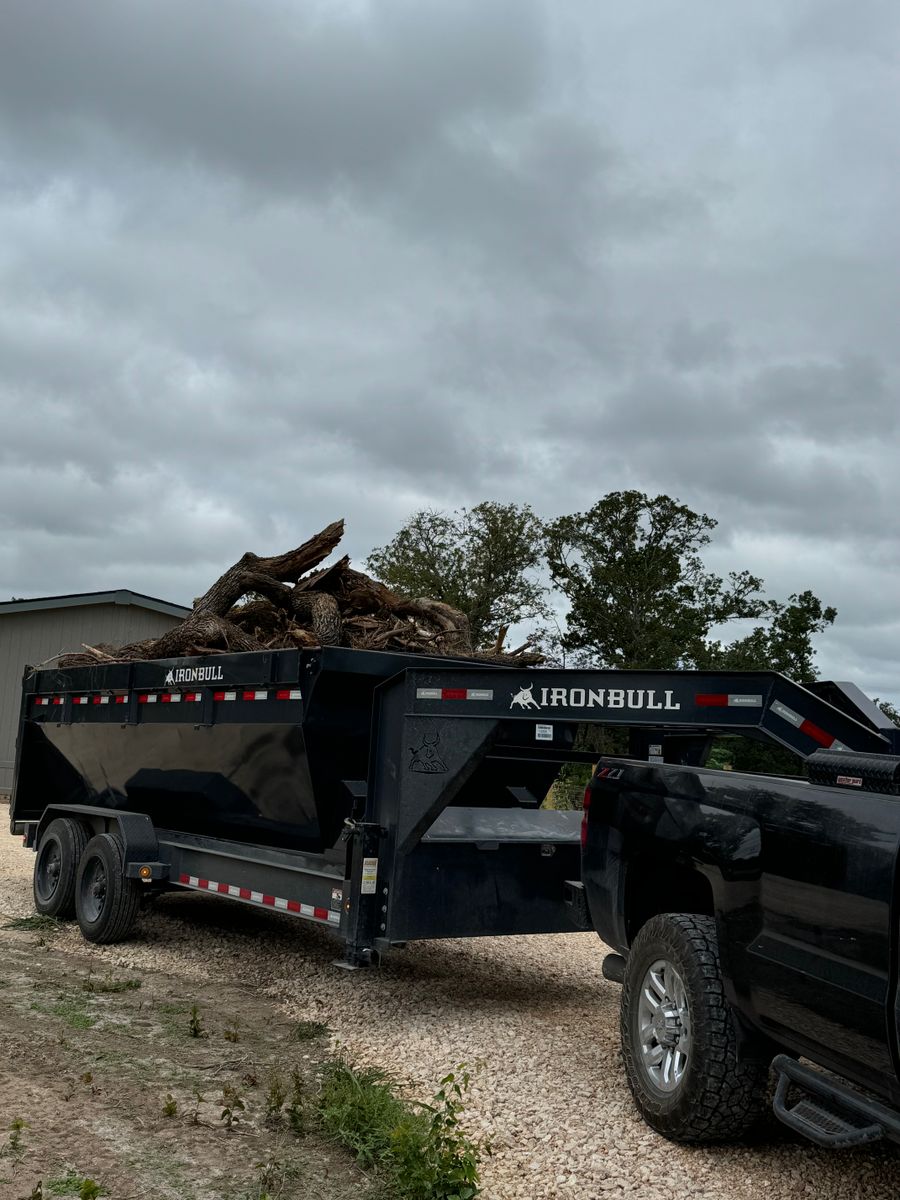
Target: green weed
[
  {"x": 358, "y": 1108},
  {"x": 232, "y": 1106},
  {"x": 272, "y": 1179},
  {"x": 73, "y": 1184},
  {"x": 421, "y": 1151},
  {"x": 14, "y": 1148},
  {"x": 36, "y": 923},
  {"x": 195, "y": 1024},
  {"x": 170, "y": 1106},
  {"x": 275, "y": 1098},
  {"x": 90, "y": 984},
  {"x": 308, "y": 1031},
  {"x": 70, "y": 1009},
  {"x": 296, "y": 1110}
]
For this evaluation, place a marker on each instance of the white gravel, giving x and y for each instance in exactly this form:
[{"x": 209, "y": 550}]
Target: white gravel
[{"x": 533, "y": 1014}]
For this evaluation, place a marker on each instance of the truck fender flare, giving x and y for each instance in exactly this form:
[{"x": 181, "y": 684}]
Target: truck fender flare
[{"x": 140, "y": 846}]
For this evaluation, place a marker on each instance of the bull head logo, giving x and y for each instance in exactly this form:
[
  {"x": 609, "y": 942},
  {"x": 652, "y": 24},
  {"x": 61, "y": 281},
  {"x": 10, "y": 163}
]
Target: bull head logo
[{"x": 524, "y": 699}]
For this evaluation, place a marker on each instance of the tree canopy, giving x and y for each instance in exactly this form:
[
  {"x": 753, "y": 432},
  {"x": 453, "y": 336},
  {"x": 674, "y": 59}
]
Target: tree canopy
[
  {"x": 631, "y": 569},
  {"x": 482, "y": 560},
  {"x": 639, "y": 594},
  {"x": 784, "y": 644}
]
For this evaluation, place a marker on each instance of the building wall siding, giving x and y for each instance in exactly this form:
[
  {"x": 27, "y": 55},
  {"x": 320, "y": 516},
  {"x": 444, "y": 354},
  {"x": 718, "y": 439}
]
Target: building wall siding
[{"x": 30, "y": 638}]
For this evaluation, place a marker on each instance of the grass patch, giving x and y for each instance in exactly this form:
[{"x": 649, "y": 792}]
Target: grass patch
[
  {"x": 36, "y": 923},
  {"x": 73, "y": 1184},
  {"x": 70, "y": 1009},
  {"x": 171, "y": 1018},
  {"x": 420, "y": 1151},
  {"x": 275, "y": 1179},
  {"x": 308, "y": 1031},
  {"x": 110, "y": 985}
]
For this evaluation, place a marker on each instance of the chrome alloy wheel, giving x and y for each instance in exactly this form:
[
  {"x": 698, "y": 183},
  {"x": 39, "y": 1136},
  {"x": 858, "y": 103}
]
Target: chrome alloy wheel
[{"x": 664, "y": 1029}]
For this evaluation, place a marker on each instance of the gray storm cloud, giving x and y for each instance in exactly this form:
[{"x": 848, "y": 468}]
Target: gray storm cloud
[{"x": 266, "y": 263}]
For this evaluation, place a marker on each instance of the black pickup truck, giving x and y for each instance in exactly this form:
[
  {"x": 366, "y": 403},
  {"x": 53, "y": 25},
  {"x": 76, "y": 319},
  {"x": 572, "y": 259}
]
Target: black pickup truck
[{"x": 755, "y": 921}]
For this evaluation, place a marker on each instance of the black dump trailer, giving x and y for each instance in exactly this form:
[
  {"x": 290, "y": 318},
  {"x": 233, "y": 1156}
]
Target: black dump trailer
[{"x": 388, "y": 797}]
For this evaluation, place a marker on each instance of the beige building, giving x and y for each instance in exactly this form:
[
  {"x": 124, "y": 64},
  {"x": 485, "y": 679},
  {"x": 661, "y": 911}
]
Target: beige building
[{"x": 33, "y": 631}]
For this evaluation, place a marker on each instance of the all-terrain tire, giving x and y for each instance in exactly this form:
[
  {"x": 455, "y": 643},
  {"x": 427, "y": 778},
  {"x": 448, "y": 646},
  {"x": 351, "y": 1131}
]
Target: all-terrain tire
[
  {"x": 55, "y": 866},
  {"x": 717, "y": 1096},
  {"x": 106, "y": 903}
]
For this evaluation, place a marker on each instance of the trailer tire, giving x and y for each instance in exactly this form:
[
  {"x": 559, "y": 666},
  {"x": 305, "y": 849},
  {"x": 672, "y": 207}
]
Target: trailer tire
[
  {"x": 679, "y": 1042},
  {"x": 56, "y": 865},
  {"x": 106, "y": 902}
]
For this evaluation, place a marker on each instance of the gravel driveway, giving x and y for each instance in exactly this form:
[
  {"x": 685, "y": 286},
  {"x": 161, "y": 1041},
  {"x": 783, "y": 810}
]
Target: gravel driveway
[{"x": 533, "y": 1013}]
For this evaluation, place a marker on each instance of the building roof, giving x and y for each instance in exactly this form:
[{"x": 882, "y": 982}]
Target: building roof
[{"x": 80, "y": 599}]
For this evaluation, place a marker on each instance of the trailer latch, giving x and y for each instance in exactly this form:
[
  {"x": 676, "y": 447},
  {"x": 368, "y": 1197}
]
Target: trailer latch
[{"x": 352, "y": 828}]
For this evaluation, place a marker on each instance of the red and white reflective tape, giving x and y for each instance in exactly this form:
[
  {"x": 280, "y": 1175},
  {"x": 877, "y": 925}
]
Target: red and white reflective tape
[
  {"x": 173, "y": 697},
  {"x": 254, "y": 694},
  {"x": 454, "y": 694},
  {"x": 807, "y": 727},
  {"x": 325, "y": 915},
  {"x": 726, "y": 700}
]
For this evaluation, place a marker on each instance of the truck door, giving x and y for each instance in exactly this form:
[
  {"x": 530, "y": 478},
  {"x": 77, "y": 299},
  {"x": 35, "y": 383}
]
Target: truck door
[{"x": 821, "y": 969}]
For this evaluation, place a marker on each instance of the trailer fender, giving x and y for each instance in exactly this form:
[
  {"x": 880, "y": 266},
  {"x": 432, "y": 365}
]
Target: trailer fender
[{"x": 140, "y": 847}]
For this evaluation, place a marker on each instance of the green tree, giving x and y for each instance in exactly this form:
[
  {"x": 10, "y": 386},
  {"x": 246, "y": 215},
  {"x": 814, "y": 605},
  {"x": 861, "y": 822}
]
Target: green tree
[
  {"x": 783, "y": 644},
  {"x": 482, "y": 560},
  {"x": 639, "y": 594}
]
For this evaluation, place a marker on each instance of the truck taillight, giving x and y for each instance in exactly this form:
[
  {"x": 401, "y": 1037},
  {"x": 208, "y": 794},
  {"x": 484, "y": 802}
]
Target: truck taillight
[{"x": 585, "y": 805}]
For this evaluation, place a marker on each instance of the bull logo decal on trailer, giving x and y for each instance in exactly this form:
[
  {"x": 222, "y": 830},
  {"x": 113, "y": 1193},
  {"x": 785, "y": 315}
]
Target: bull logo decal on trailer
[
  {"x": 631, "y": 699},
  {"x": 523, "y": 698},
  {"x": 194, "y": 675},
  {"x": 425, "y": 758}
]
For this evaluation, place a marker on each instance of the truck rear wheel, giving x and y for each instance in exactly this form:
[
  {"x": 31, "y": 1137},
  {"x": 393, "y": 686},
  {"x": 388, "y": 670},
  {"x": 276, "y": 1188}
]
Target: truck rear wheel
[
  {"x": 106, "y": 903},
  {"x": 678, "y": 1036},
  {"x": 55, "y": 865}
]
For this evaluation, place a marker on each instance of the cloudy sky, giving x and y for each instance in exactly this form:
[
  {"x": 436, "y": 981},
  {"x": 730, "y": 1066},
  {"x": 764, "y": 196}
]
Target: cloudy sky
[{"x": 264, "y": 263}]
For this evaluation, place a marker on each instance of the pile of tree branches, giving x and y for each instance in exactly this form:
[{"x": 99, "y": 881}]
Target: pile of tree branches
[{"x": 291, "y": 601}]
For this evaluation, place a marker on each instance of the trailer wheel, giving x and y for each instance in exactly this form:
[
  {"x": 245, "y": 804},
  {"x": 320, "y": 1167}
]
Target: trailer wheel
[
  {"x": 678, "y": 1036},
  {"x": 106, "y": 903},
  {"x": 55, "y": 866}
]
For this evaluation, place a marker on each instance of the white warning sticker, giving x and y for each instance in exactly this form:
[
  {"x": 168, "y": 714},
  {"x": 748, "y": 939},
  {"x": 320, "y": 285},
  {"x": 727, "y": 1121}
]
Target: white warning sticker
[
  {"x": 543, "y": 733},
  {"x": 369, "y": 876}
]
